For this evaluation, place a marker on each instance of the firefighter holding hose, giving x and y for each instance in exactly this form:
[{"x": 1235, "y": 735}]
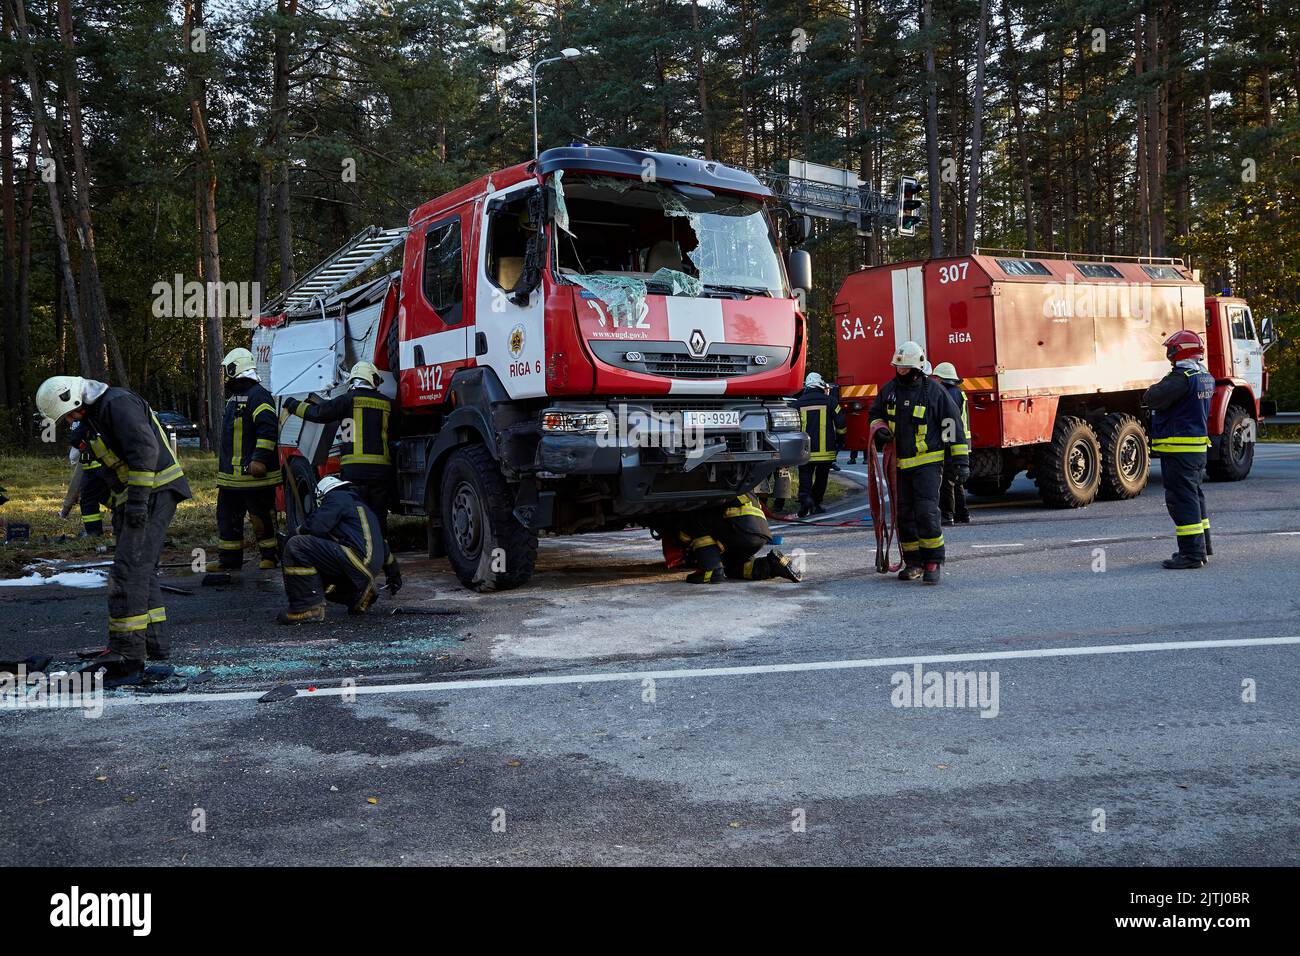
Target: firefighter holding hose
[{"x": 926, "y": 428}]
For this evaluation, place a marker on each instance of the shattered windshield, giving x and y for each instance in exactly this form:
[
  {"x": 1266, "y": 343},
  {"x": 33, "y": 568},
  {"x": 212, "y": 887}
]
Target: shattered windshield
[{"x": 670, "y": 240}]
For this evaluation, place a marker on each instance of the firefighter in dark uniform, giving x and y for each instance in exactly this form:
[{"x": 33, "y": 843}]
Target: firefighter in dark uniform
[
  {"x": 926, "y": 429},
  {"x": 722, "y": 542},
  {"x": 366, "y": 456},
  {"x": 248, "y": 466},
  {"x": 148, "y": 483},
  {"x": 1180, "y": 411},
  {"x": 952, "y": 493},
  {"x": 93, "y": 488},
  {"x": 335, "y": 556},
  {"x": 823, "y": 420}
]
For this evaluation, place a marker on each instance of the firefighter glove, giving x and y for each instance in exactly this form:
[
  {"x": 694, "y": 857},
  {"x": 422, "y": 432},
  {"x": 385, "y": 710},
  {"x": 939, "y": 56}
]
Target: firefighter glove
[
  {"x": 883, "y": 437},
  {"x": 137, "y": 507},
  {"x": 256, "y": 468},
  {"x": 291, "y": 405}
]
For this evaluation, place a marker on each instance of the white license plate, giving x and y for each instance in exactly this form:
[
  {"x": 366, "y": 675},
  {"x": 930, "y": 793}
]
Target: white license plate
[{"x": 712, "y": 419}]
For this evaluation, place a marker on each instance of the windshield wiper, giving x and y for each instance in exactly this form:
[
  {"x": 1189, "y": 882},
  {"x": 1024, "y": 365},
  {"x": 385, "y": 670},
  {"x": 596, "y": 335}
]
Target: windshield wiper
[{"x": 740, "y": 289}]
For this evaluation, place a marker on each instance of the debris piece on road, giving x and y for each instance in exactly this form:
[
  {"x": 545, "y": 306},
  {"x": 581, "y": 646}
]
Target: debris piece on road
[
  {"x": 437, "y": 611},
  {"x": 282, "y": 692},
  {"x": 217, "y": 578},
  {"x": 173, "y": 589}
]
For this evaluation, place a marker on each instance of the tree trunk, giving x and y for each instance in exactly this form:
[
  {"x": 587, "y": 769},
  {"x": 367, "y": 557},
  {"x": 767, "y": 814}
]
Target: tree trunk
[
  {"x": 932, "y": 133},
  {"x": 706, "y": 124},
  {"x": 1018, "y": 118},
  {"x": 287, "y": 9},
  {"x": 976, "y": 130},
  {"x": 10, "y": 384}
]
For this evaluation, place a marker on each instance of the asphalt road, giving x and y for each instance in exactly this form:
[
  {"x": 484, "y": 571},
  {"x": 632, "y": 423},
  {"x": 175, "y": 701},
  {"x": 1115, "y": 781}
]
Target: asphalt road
[{"x": 610, "y": 713}]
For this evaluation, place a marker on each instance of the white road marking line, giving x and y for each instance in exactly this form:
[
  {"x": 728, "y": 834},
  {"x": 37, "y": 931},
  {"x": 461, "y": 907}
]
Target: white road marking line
[
  {"x": 1009, "y": 545},
  {"x": 1089, "y": 540},
  {"x": 1284, "y": 532},
  {"x": 707, "y": 672}
]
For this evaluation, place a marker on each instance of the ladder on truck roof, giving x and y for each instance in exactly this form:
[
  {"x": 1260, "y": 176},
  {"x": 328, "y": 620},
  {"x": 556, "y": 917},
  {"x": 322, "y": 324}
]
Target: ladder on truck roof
[{"x": 326, "y": 280}]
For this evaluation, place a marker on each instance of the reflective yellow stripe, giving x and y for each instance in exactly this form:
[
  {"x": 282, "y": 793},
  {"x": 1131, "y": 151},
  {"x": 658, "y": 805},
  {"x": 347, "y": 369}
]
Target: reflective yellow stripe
[
  {"x": 267, "y": 443},
  {"x": 1183, "y": 443},
  {"x": 266, "y": 542},
  {"x": 932, "y": 542},
  {"x": 916, "y": 460},
  {"x": 145, "y": 478},
  {"x": 365, "y": 530},
  {"x": 302, "y": 571},
  {"x": 137, "y": 622},
  {"x": 258, "y": 410},
  {"x": 910, "y": 545},
  {"x": 157, "y": 615},
  {"x": 360, "y": 565},
  {"x": 1186, "y": 529},
  {"x": 704, "y": 542},
  {"x": 918, "y": 411},
  {"x": 1206, "y": 524},
  {"x": 749, "y": 569},
  {"x": 747, "y": 507},
  {"x": 248, "y": 481},
  {"x": 958, "y": 450},
  {"x": 364, "y": 459},
  {"x": 92, "y": 517}
]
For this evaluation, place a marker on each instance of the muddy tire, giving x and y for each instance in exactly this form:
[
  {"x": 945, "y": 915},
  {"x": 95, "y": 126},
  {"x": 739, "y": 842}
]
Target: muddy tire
[
  {"x": 486, "y": 545},
  {"x": 1069, "y": 466},
  {"x": 1125, "y": 457},
  {"x": 1238, "y": 452}
]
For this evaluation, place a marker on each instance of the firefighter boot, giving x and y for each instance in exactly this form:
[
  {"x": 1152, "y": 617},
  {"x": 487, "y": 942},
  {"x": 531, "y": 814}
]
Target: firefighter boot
[
  {"x": 1209, "y": 548},
  {"x": 1181, "y": 562},
  {"x": 362, "y": 604},
  {"x": 706, "y": 576},
  {"x": 933, "y": 571},
  {"x": 783, "y": 567},
  {"x": 310, "y": 615},
  {"x": 910, "y": 573},
  {"x": 116, "y": 670}
]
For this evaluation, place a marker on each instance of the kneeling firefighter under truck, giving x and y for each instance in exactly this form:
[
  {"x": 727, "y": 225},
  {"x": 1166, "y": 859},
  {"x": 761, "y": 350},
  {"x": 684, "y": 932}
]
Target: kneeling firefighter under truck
[{"x": 573, "y": 345}]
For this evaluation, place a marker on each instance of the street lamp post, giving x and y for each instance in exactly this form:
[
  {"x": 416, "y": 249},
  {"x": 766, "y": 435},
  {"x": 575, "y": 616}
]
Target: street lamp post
[{"x": 568, "y": 53}]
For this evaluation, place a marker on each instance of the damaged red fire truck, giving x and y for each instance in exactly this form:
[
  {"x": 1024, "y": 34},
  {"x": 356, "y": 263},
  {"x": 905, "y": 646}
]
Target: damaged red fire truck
[{"x": 574, "y": 343}]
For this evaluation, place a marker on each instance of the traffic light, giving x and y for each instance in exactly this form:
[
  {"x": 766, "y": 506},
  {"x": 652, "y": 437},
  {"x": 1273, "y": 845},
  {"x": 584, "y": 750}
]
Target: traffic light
[{"x": 909, "y": 205}]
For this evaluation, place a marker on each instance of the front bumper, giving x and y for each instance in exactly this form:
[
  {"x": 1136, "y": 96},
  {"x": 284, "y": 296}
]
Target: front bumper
[{"x": 664, "y": 465}]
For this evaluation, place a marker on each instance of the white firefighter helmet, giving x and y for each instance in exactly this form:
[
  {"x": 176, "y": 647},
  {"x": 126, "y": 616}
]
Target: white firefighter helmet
[
  {"x": 327, "y": 484},
  {"x": 366, "y": 374},
  {"x": 239, "y": 363},
  {"x": 908, "y": 355},
  {"x": 59, "y": 395},
  {"x": 947, "y": 372},
  {"x": 814, "y": 380}
]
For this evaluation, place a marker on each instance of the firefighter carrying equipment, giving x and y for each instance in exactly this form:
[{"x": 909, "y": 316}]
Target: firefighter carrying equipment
[
  {"x": 909, "y": 355},
  {"x": 336, "y": 555},
  {"x": 148, "y": 483},
  {"x": 239, "y": 363},
  {"x": 248, "y": 457},
  {"x": 823, "y": 419},
  {"x": 366, "y": 374},
  {"x": 926, "y": 426},
  {"x": 1180, "y": 412}
]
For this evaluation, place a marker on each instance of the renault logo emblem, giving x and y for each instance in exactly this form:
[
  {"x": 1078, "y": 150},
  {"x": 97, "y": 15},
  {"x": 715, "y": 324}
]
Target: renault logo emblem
[{"x": 696, "y": 343}]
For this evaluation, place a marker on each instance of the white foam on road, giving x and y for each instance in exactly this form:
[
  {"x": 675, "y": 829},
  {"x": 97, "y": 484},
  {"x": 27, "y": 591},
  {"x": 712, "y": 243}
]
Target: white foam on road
[
  {"x": 605, "y": 677},
  {"x": 70, "y": 579}
]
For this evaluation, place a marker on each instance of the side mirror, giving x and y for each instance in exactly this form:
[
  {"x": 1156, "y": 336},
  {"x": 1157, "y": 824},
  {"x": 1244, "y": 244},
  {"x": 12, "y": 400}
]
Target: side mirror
[
  {"x": 798, "y": 229},
  {"x": 799, "y": 266},
  {"x": 1267, "y": 333}
]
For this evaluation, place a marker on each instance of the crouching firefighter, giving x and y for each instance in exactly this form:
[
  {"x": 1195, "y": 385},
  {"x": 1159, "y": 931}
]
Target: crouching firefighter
[
  {"x": 148, "y": 483},
  {"x": 926, "y": 429},
  {"x": 722, "y": 542},
  {"x": 248, "y": 468},
  {"x": 335, "y": 556},
  {"x": 366, "y": 457},
  {"x": 1180, "y": 411}
]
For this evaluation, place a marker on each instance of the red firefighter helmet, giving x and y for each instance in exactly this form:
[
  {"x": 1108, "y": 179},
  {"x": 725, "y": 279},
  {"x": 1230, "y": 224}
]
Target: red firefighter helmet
[{"x": 1184, "y": 344}]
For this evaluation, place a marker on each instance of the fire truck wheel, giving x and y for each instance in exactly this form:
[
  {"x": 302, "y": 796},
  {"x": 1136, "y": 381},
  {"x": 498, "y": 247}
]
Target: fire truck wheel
[
  {"x": 1069, "y": 466},
  {"x": 1238, "y": 447},
  {"x": 487, "y": 546},
  {"x": 1125, "y": 456}
]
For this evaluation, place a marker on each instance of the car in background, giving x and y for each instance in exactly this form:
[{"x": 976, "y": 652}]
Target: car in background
[{"x": 186, "y": 432}]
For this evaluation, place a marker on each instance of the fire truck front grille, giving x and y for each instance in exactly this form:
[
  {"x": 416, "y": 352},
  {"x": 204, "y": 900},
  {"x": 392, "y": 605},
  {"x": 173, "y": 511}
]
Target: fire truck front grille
[
  {"x": 673, "y": 359},
  {"x": 683, "y": 366}
]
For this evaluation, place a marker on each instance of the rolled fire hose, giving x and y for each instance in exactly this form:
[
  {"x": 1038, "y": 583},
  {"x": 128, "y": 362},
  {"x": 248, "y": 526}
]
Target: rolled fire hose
[{"x": 882, "y": 490}]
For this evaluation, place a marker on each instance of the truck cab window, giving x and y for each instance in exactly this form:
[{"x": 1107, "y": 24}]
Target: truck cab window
[
  {"x": 1237, "y": 317},
  {"x": 632, "y": 229},
  {"x": 443, "y": 280},
  {"x": 510, "y": 229}
]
